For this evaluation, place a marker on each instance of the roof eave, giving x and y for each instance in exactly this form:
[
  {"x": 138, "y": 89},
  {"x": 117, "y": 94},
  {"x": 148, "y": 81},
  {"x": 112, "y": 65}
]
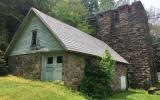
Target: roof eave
[
  {"x": 16, "y": 34},
  {"x": 21, "y": 26}
]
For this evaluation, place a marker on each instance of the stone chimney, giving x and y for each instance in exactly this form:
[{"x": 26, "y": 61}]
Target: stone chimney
[{"x": 126, "y": 30}]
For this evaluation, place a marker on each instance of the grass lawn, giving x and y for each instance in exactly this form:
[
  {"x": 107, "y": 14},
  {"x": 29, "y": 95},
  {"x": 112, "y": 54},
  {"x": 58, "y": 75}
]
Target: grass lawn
[
  {"x": 134, "y": 95},
  {"x": 13, "y": 88}
]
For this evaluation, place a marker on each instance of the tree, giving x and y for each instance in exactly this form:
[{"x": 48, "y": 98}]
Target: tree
[
  {"x": 73, "y": 13},
  {"x": 2, "y": 60},
  {"x": 98, "y": 77},
  {"x": 107, "y": 66},
  {"x": 105, "y": 5},
  {"x": 154, "y": 20},
  {"x": 154, "y": 16},
  {"x": 156, "y": 47},
  {"x": 95, "y": 6},
  {"x": 122, "y": 2},
  {"x": 91, "y": 5}
]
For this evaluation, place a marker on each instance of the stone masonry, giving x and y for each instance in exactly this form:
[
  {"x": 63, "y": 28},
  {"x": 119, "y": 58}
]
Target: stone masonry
[
  {"x": 27, "y": 65},
  {"x": 120, "y": 70},
  {"x": 73, "y": 69},
  {"x": 126, "y": 30}
]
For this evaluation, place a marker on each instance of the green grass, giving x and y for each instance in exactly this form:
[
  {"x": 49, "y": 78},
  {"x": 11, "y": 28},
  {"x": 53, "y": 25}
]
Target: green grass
[
  {"x": 13, "y": 88},
  {"x": 134, "y": 95}
]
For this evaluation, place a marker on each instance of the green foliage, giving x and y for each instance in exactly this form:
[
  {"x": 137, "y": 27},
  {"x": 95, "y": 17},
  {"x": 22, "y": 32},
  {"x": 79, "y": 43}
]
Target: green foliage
[
  {"x": 3, "y": 43},
  {"x": 3, "y": 37},
  {"x": 3, "y": 68},
  {"x": 91, "y": 5},
  {"x": 156, "y": 46},
  {"x": 134, "y": 95},
  {"x": 106, "y": 5},
  {"x": 107, "y": 66},
  {"x": 2, "y": 60},
  {"x": 98, "y": 78},
  {"x": 95, "y": 6},
  {"x": 73, "y": 13}
]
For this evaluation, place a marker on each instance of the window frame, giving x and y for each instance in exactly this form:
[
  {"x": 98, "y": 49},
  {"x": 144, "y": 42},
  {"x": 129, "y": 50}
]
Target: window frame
[
  {"x": 34, "y": 38},
  {"x": 59, "y": 59},
  {"x": 50, "y": 60}
]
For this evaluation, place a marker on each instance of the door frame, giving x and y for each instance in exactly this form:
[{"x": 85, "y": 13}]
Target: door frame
[
  {"x": 123, "y": 79},
  {"x": 43, "y": 62}
]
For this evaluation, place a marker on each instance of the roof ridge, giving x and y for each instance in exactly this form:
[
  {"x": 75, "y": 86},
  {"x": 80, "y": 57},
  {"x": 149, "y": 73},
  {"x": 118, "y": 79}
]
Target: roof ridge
[
  {"x": 74, "y": 43},
  {"x": 71, "y": 38},
  {"x": 34, "y": 9}
]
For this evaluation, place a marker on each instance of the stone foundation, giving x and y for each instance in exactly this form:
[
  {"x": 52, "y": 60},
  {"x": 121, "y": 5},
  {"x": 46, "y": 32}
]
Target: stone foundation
[
  {"x": 120, "y": 70},
  {"x": 73, "y": 69},
  {"x": 27, "y": 66}
]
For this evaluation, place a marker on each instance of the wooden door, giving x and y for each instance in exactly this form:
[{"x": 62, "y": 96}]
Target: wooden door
[
  {"x": 53, "y": 68},
  {"x": 49, "y": 68},
  {"x": 123, "y": 83}
]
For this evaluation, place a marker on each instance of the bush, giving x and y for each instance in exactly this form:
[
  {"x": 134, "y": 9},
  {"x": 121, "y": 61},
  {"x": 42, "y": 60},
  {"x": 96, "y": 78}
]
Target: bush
[
  {"x": 98, "y": 78},
  {"x": 3, "y": 68},
  {"x": 3, "y": 71}
]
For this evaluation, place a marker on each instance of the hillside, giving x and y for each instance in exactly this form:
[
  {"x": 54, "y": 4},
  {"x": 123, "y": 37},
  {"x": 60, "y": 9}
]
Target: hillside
[{"x": 13, "y": 88}]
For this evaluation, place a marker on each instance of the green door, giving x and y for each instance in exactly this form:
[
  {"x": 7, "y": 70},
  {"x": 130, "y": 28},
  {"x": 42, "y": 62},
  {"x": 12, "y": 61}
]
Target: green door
[{"x": 53, "y": 68}]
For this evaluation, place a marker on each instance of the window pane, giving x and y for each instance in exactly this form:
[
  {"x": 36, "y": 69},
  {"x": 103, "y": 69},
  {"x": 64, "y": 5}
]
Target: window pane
[
  {"x": 50, "y": 60},
  {"x": 59, "y": 59},
  {"x": 34, "y": 38}
]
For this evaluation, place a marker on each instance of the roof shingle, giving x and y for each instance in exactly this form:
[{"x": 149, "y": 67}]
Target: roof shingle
[{"x": 73, "y": 39}]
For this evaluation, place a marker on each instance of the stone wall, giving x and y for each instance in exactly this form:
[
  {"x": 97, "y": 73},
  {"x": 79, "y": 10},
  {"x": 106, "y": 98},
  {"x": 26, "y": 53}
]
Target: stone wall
[
  {"x": 27, "y": 66},
  {"x": 73, "y": 69},
  {"x": 120, "y": 70},
  {"x": 126, "y": 30}
]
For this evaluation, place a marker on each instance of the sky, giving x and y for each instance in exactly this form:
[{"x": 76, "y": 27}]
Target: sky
[{"x": 151, "y": 3}]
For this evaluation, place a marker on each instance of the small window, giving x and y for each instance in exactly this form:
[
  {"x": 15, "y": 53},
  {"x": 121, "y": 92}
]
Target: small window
[
  {"x": 50, "y": 60},
  {"x": 34, "y": 38},
  {"x": 116, "y": 17},
  {"x": 59, "y": 59}
]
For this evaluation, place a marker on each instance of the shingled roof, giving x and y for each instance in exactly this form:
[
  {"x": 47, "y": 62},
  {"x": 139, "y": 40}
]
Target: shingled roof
[{"x": 75, "y": 40}]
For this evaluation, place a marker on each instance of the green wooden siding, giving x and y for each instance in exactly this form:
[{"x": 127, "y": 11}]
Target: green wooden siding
[{"x": 45, "y": 39}]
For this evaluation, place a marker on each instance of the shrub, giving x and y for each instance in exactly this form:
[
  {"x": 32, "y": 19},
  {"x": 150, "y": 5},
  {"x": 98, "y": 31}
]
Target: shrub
[
  {"x": 3, "y": 71},
  {"x": 98, "y": 78},
  {"x": 3, "y": 68}
]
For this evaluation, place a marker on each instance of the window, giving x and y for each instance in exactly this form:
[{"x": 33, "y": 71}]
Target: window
[
  {"x": 114, "y": 21},
  {"x": 116, "y": 17},
  {"x": 34, "y": 38},
  {"x": 59, "y": 59},
  {"x": 50, "y": 60}
]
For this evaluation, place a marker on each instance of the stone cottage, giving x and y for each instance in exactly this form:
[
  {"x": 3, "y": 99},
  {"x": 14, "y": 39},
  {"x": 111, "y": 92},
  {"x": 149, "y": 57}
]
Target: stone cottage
[
  {"x": 126, "y": 30},
  {"x": 47, "y": 49}
]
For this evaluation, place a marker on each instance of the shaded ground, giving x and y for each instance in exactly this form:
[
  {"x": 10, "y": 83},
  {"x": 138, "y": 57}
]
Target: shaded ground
[{"x": 134, "y": 95}]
